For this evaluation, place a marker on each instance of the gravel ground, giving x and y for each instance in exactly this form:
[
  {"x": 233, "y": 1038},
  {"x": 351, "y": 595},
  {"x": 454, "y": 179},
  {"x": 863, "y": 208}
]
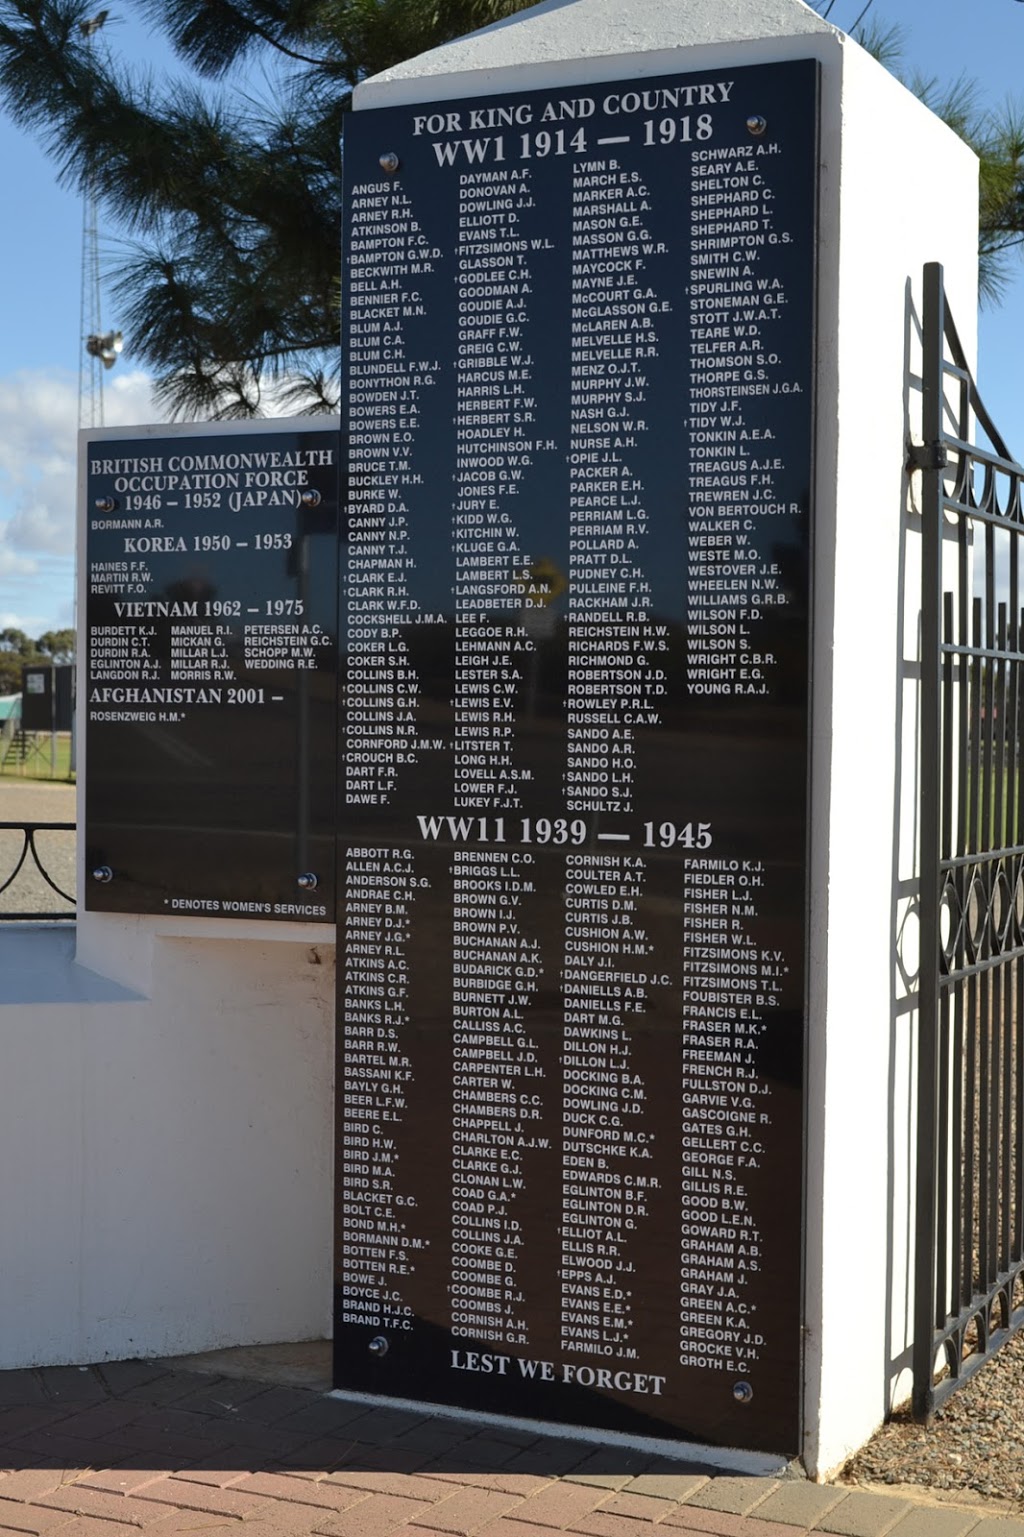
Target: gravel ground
[
  {"x": 973, "y": 1449},
  {"x": 27, "y": 800}
]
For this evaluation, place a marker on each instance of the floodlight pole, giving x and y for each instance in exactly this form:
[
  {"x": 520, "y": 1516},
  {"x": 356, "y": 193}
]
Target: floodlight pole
[{"x": 90, "y": 365}]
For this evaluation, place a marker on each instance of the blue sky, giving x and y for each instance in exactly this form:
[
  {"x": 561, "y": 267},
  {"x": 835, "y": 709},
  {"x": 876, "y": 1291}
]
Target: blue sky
[{"x": 41, "y": 263}]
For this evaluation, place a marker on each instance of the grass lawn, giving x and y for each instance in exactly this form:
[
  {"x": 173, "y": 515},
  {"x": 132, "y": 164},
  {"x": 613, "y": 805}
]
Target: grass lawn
[{"x": 44, "y": 760}]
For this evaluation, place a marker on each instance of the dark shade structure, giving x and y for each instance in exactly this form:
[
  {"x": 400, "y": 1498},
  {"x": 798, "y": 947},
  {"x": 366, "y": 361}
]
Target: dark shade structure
[{"x": 47, "y": 696}]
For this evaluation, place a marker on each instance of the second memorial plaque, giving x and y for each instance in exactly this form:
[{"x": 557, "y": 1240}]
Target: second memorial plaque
[
  {"x": 211, "y": 670},
  {"x": 579, "y": 352}
]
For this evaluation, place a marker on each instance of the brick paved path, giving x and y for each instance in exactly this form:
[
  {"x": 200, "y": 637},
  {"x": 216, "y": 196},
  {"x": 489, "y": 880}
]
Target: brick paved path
[{"x": 97, "y": 1451}]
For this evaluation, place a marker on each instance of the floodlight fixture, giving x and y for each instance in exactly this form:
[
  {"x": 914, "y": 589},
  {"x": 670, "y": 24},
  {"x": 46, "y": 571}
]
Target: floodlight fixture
[
  {"x": 92, "y": 26},
  {"x": 105, "y": 347}
]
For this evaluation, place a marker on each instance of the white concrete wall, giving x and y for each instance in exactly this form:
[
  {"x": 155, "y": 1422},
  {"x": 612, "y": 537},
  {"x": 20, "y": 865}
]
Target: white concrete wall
[
  {"x": 165, "y": 1134},
  {"x": 867, "y": 582},
  {"x": 166, "y": 1122},
  {"x": 165, "y": 1147},
  {"x": 877, "y": 142}
]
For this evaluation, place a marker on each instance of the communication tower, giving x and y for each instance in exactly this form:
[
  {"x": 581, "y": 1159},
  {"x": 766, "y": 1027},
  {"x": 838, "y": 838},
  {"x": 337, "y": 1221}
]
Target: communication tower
[{"x": 100, "y": 348}]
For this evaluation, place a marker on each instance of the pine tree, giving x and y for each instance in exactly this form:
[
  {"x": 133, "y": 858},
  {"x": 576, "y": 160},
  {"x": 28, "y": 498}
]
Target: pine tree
[
  {"x": 231, "y": 202},
  {"x": 995, "y": 133},
  {"x": 230, "y": 205}
]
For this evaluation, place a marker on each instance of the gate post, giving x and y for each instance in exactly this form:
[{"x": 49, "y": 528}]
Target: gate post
[{"x": 931, "y": 459}]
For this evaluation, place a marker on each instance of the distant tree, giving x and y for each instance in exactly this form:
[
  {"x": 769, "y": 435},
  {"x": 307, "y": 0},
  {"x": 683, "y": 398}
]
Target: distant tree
[
  {"x": 995, "y": 133},
  {"x": 57, "y": 645},
  {"x": 17, "y": 643},
  {"x": 16, "y": 649}
]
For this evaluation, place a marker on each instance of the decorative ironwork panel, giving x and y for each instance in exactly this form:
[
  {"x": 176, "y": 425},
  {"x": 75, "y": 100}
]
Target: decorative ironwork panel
[
  {"x": 970, "y": 1235},
  {"x": 37, "y": 867}
]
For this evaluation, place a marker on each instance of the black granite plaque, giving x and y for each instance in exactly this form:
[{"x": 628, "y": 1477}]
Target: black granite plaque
[
  {"x": 572, "y": 878},
  {"x": 211, "y": 632}
]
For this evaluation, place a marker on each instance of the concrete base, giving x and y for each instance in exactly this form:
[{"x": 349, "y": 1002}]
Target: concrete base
[
  {"x": 165, "y": 1146},
  {"x": 305, "y": 1365}
]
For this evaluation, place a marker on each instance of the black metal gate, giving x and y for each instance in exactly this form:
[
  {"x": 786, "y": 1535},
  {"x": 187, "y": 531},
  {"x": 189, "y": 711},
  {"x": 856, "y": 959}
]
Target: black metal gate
[{"x": 970, "y": 1168}]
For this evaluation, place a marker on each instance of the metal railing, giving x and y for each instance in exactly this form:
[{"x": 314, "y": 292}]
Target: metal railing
[
  {"x": 30, "y": 863},
  {"x": 969, "y": 1286}
]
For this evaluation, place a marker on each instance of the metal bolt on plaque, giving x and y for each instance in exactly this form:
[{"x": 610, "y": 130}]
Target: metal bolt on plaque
[
  {"x": 390, "y": 162},
  {"x": 378, "y": 1346},
  {"x": 756, "y": 124},
  {"x": 307, "y": 882},
  {"x": 742, "y": 1392},
  {"x": 311, "y": 498},
  {"x": 105, "y": 503},
  {"x": 103, "y": 874}
]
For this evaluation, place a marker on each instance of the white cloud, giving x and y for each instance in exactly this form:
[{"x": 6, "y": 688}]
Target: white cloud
[
  {"x": 15, "y": 565},
  {"x": 39, "y": 452},
  {"x": 39, "y": 478},
  {"x": 128, "y": 400},
  {"x": 43, "y": 519},
  {"x": 39, "y": 418},
  {"x": 38, "y": 486}
]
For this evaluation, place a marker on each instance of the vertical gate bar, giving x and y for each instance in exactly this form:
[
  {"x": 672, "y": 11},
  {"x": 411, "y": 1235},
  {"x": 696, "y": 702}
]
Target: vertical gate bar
[
  {"x": 976, "y": 721},
  {"x": 987, "y": 641},
  {"x": 946, "y": 1162},
  {"x": 1018, "y": 1113},
  {"x": 1014, "y": 612},
  {"x": 992, "y": 936},
  {"x": 1015, "y": 1082},
  {"x": 1015, "y": 650},
  {"x": 952, "y": 1119},
  {"x": 964, "y": 1034},
  {"x": 1007, "y": 1101},
  {"x": 974, "y": 985},
  {"x": 1000, "y": 681},
  {"x": 1012, "y": 1181},
  {"x": 1005, "y": 930},
  {"x": 931, "y": 588},
  {"x": 982, "y": 894},
  {"x": 947, "y": 662},
  {"x": 1000, "y": 1249},
  {"x": 963, "y": 1203},
  {"x": 989, "y": 985},
  {"x": 945, "y": 1260},
  {"x": 969, "y": 996},
  {"x": 1006, "y": 1110},
  {"x": 964, "y": 417},
  {"x": 950, "y": 1174},
  {"x": 963, "y": 637},
  {"x": 1018, "y": 892},
  {"x": 985, "y": 1195}
]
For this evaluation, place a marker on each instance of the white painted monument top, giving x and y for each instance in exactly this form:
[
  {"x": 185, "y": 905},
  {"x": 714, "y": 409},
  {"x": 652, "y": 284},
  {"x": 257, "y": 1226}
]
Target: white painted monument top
[{"x": 559, "y": 30}]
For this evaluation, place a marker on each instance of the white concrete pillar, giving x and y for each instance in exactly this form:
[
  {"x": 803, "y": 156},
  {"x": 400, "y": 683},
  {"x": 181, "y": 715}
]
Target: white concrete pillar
[{"x": 878, "y": 147}]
